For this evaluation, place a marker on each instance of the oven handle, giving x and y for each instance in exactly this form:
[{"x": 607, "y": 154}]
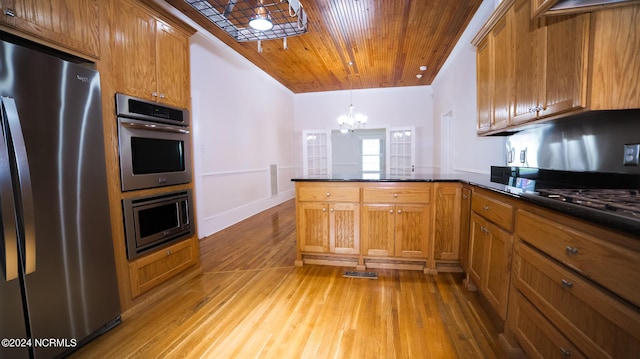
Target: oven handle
[{"x": 155, "y": 127}]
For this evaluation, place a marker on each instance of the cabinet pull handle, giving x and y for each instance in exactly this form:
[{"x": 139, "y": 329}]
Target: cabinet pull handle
[
  {"x": 571, "y": 251},
  {"x": 9, "y": 12},
  {"x": 486, "y": 208},
  {"x": 565, "y": 353},
  {"x": 567, "y": 284},
  {"x": 328, "y": 194}
]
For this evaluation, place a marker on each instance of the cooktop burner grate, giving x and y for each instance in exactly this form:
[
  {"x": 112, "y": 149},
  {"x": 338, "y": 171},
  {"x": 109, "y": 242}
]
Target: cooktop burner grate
[{"x": 621, "y": 201}]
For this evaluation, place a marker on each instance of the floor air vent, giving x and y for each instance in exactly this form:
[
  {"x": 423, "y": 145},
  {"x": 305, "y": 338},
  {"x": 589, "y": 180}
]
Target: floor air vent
[{"x": 368, "y": 275}]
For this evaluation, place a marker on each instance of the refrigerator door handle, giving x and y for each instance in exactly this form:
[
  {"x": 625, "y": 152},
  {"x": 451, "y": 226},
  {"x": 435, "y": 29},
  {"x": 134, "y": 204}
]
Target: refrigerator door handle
[
  {"x": 25, "y": 199},
  {"x": 10, "y": 238}
]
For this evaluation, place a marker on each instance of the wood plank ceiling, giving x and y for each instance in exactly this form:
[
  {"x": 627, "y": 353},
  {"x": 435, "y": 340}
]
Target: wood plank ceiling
[{"x": 385, "y": 40}]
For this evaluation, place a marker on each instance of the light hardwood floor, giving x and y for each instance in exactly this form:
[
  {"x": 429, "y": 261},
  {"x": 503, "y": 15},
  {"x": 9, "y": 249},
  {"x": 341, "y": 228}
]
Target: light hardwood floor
[{"x": 251, "y": 302}]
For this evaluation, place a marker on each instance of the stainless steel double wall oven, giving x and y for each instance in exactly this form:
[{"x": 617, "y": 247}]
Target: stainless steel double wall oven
[{"x": 155, "y": 151}]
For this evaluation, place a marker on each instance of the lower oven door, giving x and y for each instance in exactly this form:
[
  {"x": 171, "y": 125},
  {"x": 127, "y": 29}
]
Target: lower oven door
[
  {"x": 153, "y": 154},
  {"x": 152, "y": 221}
]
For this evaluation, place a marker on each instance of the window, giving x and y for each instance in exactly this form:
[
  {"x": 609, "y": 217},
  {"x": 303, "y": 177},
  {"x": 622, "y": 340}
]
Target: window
[{"x": 371, "y": 152}]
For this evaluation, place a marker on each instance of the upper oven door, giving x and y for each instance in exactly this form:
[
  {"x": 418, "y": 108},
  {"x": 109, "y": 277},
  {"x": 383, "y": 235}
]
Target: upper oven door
[{"x": 153, "y": 154}]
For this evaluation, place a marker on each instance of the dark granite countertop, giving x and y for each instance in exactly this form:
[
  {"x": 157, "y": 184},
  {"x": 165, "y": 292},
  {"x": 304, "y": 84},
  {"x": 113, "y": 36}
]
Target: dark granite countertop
[{"x": 522, "y": 184}]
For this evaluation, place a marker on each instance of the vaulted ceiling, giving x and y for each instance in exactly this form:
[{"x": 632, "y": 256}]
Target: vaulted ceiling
[{"x": 386, "y": 42}]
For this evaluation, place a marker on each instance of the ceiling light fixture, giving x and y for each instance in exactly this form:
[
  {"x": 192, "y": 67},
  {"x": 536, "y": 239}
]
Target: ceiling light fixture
[
  {"x": 352, "y": 120},
  {"x": 262, "y": 20}
]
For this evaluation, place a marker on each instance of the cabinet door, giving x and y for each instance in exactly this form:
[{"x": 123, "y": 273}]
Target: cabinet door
[
  {"x": 378, "y": 230},
  {"x": 173, "y": 66},
  {"x": 529, "y": 54},
  {"x": 344, "y": 224},
  {"x": 465, "y": 213},
  {"x": 495, "y": 284},
  {"x": 134, "y": 44},
  {"x": 70, "y": 23},
  {"x": 412, "y": 230},
  {"x": 567, "y": 46},
  {"x": 447, "y": 218},
  {"x": 478, "y": 241},
  {"x": 502, "y": 73},
  {"x": 314, "y": 227},
  {"x": 485, "y": 87}
]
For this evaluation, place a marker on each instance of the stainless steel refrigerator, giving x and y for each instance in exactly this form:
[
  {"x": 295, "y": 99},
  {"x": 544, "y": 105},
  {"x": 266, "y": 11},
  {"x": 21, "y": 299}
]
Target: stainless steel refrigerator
[{"x": 58, "y": 287}]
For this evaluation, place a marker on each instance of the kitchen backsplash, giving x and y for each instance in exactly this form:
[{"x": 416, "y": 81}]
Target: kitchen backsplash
[{"x": 591, "y": 142}]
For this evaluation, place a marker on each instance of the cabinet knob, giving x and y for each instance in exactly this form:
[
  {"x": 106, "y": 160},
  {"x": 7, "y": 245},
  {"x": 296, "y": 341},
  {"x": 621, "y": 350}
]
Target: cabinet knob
[
  {"x": 324, "y": 209},
  {"x": 395, "y": 195},
  {"x": 565, "y": 353},
  {"x": 154, "y": 94},
  {"x": 571, "y": 251},
  {"x": 464, "y": 196},
  {"x": 390, "y": 211},
  {"x": 399, "y": 211},
  {"x": 9, "y": 12},
  {"x": 168, "y": 253},
  {"x": 567, "y": 284},
  {"x": 163, "y": 95},
  {"x": 331, "y": 210},
  {"x": 328, "y": 194},
  {"x": 486, "y": 208}
]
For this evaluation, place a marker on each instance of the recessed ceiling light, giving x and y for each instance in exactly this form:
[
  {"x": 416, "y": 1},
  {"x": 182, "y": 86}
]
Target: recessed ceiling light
[
  {"x": 419, "y": 76},
  {"x": 423, "y": 68}
]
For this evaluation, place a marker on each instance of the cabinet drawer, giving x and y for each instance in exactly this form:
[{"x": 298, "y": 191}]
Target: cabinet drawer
[
  {"x": 400, "y": 194},
  {"x": 494, "y": 210},
  {"x": 599, "y": 324},
  {"x": 153, "y": 269},
  {"x": 538, "y": 337},
  {"x": 608, "y": 264},
  {"x": 329, "y": 193}
]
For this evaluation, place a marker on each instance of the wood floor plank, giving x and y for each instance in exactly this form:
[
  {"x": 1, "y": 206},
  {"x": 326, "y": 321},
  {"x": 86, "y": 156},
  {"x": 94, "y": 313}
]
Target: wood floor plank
[{"x": 252, "y": 302}]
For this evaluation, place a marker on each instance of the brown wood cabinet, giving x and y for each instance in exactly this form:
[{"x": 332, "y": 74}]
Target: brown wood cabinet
[
  {"x": 447, "y": 225},
  {"x": 465, "y": 218},
  {"x": 578, "y": 279},
  {"x": 156, "y": 54},
  {"x": 151, "y": 270},
  {"x": 562, "y": 65},
  {"x": 396, "y": 220},
  {"x": 70, "y": 24},
  {"x": 368, "y": 225},
  {"x": 328, "y": 219},
  {"x": 494, "y": 77},
  {"x": 491, "y": 244}
]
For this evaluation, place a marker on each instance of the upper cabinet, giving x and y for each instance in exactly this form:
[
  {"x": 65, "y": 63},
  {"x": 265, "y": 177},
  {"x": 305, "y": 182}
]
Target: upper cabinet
[
  {"x": 494, "y": 76},
  {"x": 561, "y": 65},
  {"x": 70, "y": 24},
  {"x": 156, "y": 54}
]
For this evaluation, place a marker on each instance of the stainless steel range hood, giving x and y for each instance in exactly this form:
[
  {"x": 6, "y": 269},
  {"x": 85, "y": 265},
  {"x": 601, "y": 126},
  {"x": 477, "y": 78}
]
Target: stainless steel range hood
[{"x": 572, "y": 6}]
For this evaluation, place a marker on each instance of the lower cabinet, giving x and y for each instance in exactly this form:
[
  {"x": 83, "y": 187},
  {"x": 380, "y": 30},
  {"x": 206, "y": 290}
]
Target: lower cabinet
[
  {"x": 490, "y": 262},
  {"x": 447, "y": 222},
  {"x": 329, "y": 227},
  {"x": 395, "y": 230},
  {"x": 151, "y": 270}
]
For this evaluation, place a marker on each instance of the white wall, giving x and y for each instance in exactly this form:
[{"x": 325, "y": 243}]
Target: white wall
[
  {"x": 388, "y": 107},
  {"x": 243, "y": 122},
  {"x": 454, "y": 90}
]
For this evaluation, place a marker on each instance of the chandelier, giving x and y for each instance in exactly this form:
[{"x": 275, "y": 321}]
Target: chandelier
[{"x": 352, "y": 120}]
